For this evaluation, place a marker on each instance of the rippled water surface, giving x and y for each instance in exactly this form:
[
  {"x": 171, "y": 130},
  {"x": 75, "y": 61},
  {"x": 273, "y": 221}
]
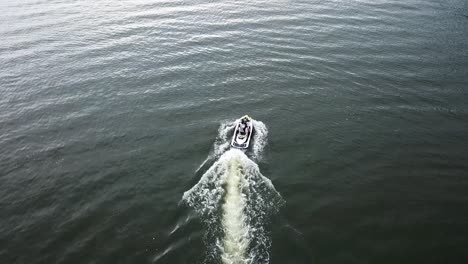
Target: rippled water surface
[{"x": 113, "y": 113}]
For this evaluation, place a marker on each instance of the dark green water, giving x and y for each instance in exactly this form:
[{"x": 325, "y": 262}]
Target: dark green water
[{"x": 109, "y": 110}]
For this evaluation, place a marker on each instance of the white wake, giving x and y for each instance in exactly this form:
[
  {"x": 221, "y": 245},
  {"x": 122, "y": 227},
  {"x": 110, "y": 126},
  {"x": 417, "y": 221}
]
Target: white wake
[{"x": 235, "y": 201}]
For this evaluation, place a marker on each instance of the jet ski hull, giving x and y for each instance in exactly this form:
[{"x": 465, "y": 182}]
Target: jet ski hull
[{"x": 239, "y": 140}]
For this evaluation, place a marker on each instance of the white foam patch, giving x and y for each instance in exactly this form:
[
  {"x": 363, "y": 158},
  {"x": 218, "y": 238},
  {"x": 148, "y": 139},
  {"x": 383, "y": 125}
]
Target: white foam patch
[
  {"x": 223, "y": 140},
  {"x": 233, "y": 219},
  {"x": 259, "y": 140},
  {"x": 234, "y": 200}
]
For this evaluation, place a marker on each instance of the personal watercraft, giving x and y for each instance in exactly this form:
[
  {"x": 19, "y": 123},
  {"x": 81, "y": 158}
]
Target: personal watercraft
[{"x": 242, "y": 133}]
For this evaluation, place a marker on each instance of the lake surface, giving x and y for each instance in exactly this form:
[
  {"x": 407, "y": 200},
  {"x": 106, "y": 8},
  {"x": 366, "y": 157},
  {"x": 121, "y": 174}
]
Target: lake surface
[{"x": 116, "y": 116}]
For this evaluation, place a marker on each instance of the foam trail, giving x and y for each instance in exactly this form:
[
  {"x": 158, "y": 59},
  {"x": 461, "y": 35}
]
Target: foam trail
[
  {"x": 235, "y": 240},
  {"x": 235, "y": 200}
]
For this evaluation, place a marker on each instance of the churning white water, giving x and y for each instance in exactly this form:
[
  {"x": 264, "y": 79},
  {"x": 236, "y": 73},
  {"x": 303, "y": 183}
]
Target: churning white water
[
  {"x": 233, "y": 219},
  {"x": 234, "y": 200}
]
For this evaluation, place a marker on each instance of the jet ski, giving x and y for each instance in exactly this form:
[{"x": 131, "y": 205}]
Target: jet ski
[{"x": 242, "y": 133}]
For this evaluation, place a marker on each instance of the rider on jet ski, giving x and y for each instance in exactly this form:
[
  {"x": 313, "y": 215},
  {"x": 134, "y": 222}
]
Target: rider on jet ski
[
  {"x": 242, "y": 133},
  {"x": 244, "y": 126}
]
